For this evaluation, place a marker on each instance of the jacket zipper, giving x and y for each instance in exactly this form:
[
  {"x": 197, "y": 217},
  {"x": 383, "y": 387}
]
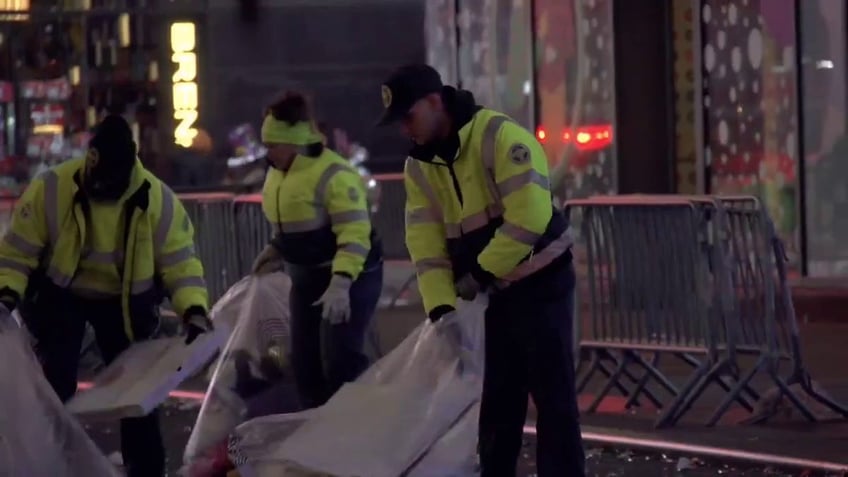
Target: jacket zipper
[{"x": 455, "y": 181}]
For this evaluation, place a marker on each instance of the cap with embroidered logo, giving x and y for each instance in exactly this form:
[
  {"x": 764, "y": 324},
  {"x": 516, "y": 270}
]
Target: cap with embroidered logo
[{"x": 405, "y": 87}]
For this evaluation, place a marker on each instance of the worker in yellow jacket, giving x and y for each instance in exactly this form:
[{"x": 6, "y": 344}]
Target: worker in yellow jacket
[
  {"x": 317, "y": 204},
  {"x": 480, "y": 218},
  {"x": 101, "y": 240}
]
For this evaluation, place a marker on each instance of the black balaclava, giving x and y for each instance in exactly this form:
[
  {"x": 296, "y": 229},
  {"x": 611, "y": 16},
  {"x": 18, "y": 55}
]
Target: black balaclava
[{"x": 110, "y": 160}]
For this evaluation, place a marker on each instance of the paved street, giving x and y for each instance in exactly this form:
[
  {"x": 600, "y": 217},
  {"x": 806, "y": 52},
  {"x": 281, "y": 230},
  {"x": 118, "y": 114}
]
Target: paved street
[
  {"x": 822, "y": 344},
  {"x": 178, "y": 417}
]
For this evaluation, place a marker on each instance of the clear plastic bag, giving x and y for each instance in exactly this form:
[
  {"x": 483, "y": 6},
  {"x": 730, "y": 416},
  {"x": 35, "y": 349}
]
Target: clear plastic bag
[
  {"x": 38, "y": 437},
  {"x": 405, "y": 403},
  {"x": 251, "y": 377}
]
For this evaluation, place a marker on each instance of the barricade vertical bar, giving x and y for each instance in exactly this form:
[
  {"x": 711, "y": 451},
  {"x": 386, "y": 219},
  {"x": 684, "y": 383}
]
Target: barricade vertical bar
[{"x": 212, "y": 217}]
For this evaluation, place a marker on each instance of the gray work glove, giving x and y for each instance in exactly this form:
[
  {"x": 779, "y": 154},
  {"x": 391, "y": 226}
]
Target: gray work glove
[
  {"x": 196, "y": 324},
  {"x": 467, "y": 287},
  {"x": 268, "y": 261},
  {"x": 335, "y": 301}
]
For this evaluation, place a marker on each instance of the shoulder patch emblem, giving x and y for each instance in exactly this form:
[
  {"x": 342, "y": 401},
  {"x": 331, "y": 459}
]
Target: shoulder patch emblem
[
  {"x": 353, "y": 194},
  {"x": 519, "y": 153},
  {"x": 25, "y": 211}
]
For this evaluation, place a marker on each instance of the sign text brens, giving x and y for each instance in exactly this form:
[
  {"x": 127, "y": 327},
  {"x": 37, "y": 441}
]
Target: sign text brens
[{"x": 184, "y": 80}]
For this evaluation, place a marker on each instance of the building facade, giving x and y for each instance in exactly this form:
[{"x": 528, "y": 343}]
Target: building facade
[{"x": 697, "y": 96}]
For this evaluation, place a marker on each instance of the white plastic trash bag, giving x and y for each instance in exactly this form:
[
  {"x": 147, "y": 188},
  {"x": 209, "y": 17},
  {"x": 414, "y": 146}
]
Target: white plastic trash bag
[
  {"x": 38, "y": 437},
  {"x": 142, "y": 377},
  {"x": 252, "y": 376},
  {"x": 384, "y": 422},
  {"x": 455, "y": 453}
]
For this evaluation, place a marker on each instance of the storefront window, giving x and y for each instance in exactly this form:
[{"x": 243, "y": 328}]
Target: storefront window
[
  {"x": 750, "y": 106},
  {"x": 823, "y": 56},
  {"x": 576, "y": 96},
  {"x": 495, "y": 55},
  {"x": 62, "y": 70}
]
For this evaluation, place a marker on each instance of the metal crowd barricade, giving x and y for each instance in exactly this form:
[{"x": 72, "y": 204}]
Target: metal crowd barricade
[
  {"x": 390, "y": 224},
  {"x": 762, "y": 318},
  {"x": 212, "y": 216},
  {"x": 721, "y": 279},
  {"x": 661, "y": 305},
  {"x": 252, "y": 230}
]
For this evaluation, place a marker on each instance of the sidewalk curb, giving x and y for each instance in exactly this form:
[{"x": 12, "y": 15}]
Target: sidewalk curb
[{"x": 635, "y": 440}]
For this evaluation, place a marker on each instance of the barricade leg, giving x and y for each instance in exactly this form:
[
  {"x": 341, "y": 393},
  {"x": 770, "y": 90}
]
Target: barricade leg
[
  {"x": 597, "y": 363},
  {"x": 734, "y": 393},
  {"x": 725, "y": 383}
]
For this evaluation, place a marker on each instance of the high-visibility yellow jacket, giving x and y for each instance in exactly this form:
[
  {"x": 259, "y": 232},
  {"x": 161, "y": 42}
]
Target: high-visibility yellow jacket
[
  {"x": 487, "y": 211},
  {"x": 319, "y": 209},
  {"x": 155, "y": 243}
]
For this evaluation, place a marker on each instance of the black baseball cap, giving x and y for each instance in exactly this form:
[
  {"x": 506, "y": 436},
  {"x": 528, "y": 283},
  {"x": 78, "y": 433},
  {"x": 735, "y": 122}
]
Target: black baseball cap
[{"x": 405, "y": 87}]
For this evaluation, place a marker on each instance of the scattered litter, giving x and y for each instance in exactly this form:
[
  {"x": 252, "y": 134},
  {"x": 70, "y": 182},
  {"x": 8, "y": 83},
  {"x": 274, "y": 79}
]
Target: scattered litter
[{"x": 685, "y": 463}]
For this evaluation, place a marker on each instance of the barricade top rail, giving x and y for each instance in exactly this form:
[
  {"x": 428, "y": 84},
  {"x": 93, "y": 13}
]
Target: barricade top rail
[
  {"x": 627, "y": 200},
  {"x": 249, "y": 198},
  {"x": 206, "y": 196}
]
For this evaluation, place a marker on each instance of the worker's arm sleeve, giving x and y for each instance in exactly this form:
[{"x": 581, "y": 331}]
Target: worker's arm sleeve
[
  {"x": 427, "y": 244},
  {"x": 521, "y": 175},
  {"x": 348, "y": 209},
  {"x": 21, "y": 247},
  {"x": 176, "y": 259}
]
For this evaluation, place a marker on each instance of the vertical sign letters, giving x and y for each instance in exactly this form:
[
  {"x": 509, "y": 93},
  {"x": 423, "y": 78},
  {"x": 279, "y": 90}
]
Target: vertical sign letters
[{"x": 184, "y": 81}]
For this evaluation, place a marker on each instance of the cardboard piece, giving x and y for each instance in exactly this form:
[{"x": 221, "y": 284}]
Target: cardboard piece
[{"x": 143, "y": 376}]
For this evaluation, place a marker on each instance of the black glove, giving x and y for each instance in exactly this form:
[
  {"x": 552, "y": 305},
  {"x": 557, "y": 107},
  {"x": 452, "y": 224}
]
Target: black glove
[{"x": 196, "y": 323}]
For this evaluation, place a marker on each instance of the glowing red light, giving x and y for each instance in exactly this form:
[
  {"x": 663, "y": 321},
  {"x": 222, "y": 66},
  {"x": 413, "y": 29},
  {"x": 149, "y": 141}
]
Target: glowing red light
[{"x": 541, "y": 134}]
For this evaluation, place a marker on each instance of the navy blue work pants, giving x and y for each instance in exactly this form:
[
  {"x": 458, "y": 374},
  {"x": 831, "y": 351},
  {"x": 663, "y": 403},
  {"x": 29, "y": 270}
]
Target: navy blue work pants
[
  {"x": 325, "y": 356},
  {"x": 59, "y": 329},
  {"x": 529, "y": 351}
]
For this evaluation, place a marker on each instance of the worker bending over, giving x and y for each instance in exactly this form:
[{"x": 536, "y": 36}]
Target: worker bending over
[
  {"x": 317, "y": 204},
  {"x": 101, "y": 240},
  {"x": 479, "y": 218}
]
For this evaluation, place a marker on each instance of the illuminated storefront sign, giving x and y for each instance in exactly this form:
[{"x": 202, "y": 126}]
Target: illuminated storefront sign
[
  {"x": 184, "y": 81},
  {"x": 14, "y": 6}
]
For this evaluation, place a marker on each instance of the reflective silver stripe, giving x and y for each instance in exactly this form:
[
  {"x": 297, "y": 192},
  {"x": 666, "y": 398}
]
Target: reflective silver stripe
[
  {"x": 417, "y": 176},
  {"x": 167, "y": 217},
  {"x": 51, "y": 205},
  {"x": 324, "y": 181},
  {"x": 105, "y": 258},
  {"x": 172, "y": 258},
  {"x": 516, "y": 182},
  {"x": 16, "y": 266},
  {"x": 538, "y": 260},
  {"x": 57, "y": 277},
  {"x": 519, "y": 234},
  {"x": 349, "y": 216},
  {"x": 140, "y": 286},
  {"x": 308, "y": 225},
  {"x": 488, "y": 149},
  {"x": 427, "y": 264},
  {"x": 423, "y": 215},
  {"x": 23, "y": 245},
  {"x": 354, "y": 249},
  {"x": 474, "y": 221},
  {"x": 189, "y": 282}
]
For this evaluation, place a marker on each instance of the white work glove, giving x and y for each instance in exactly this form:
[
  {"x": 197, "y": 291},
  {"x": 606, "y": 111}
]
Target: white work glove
[
  {"x": 269, "y": 260},
  {"x": 335, "y": 301}
]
